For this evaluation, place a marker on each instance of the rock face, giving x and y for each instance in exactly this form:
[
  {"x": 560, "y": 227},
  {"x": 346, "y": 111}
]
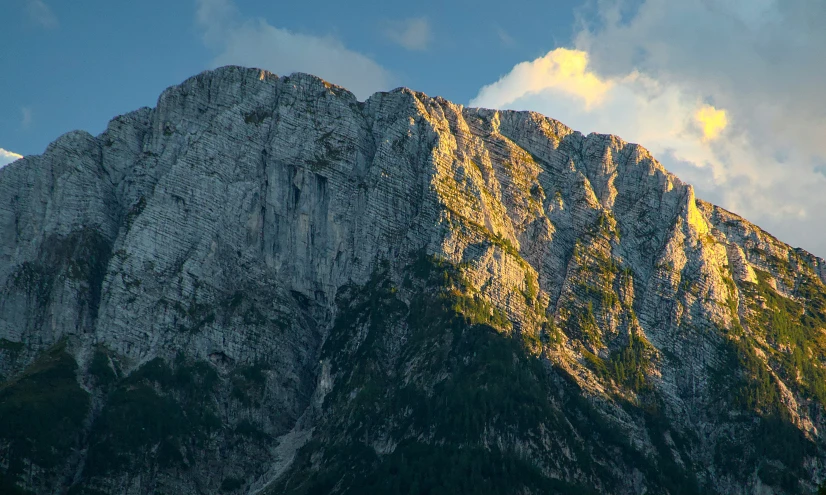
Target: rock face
[{"x": 263, "y": 285}]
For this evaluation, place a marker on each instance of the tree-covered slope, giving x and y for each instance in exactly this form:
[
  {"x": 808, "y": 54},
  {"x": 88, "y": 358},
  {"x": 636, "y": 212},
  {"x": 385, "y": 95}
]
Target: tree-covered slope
[{"x": 263, "y": 285}]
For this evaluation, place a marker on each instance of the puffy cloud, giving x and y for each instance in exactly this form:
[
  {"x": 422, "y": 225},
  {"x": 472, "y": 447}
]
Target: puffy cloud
[
  {"x": 256, "y": 43},
  {"x": 7, "y": 157},
  {"x": 757, "y": 149},
  {"x": 634, "y": 106},
  {"x": 412, "y": 34},
  {"x": 41, "y": 13},
  {"x": 712, "y": 121},
  {"x": 562, "y": 71}
]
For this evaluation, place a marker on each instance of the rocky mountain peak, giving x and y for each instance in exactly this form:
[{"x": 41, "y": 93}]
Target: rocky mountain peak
[{"x": 321, "y": 295}]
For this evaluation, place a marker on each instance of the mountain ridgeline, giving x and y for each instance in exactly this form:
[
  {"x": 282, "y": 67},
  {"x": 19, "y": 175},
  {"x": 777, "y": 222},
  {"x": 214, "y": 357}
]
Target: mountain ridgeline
[{"x": 264, "y": 286}]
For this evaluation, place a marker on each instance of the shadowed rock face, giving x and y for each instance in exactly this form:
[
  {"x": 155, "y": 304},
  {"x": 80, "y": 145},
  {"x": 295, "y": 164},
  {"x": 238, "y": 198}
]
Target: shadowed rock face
[{"x": 263, "y": 285}]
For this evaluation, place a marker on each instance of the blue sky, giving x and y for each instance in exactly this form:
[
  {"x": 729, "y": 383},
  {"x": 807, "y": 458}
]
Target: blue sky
[
  {"x": 727, "y": 94},
  {"x": 91, "y": 60}
]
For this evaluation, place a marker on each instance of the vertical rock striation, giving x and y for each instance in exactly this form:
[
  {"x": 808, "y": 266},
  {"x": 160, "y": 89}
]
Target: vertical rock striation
[{"x": 265, "y": 285}]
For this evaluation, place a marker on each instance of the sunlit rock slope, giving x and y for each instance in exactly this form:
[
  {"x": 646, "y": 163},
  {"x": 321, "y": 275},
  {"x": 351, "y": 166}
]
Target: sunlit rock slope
[{"x": 263, "y": 285}]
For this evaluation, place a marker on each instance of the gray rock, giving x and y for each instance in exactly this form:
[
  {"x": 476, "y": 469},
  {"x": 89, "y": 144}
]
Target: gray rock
[{"x": 220, "y": 226}]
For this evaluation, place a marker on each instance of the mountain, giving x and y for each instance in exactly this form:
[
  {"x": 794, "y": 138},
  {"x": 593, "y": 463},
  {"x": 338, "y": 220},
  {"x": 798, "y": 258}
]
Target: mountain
[{"x": 263, "y": 285}]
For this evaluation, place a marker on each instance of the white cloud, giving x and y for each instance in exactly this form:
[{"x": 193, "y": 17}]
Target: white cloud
[
  {"x": 562, "y": 71},
  {"x": 256, "y": 43},
  {"x": 634, "y": 106},
  {"x": 25, "y": 117},
  {"x": 726, "y": 93},
  {"x": 41, "y": 13},
  {"x": 712, "y": 121},
  {"x": 412, "y": 34},
  {"x": 7, "y": 157}
]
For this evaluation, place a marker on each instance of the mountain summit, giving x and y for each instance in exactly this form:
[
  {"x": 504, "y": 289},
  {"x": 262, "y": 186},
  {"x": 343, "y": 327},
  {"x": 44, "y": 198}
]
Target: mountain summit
[{"x": 265, "y": 286}]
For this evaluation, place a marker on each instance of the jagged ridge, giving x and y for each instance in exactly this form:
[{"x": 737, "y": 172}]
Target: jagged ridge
[{"x": 195, "y": 257}]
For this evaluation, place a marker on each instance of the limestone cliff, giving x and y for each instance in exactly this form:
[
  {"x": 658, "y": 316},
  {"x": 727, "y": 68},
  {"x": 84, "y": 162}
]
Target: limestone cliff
[{"x": 263, "y": 285}]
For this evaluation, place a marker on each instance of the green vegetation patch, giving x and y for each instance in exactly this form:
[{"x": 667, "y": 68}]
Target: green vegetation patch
[
  {"x": 248, "y": 429},
  {"x": 257, "y": 116},
  {"x": 83, "y": 255},
  {"x": 746, "y": 386},
  {"x": 446, "y": 398},
  {"x": 583, "y": 325},
  {"x": 102, "y": 369},
  {"x": 248, "y": 383},
  {"x": 628, "y": 366},
  {"x": 43, "y": 411},
  {"x": 8, "y": 486},
  {"x": 796, "y": 329},
  {"x": 790, "y": 333},
  {"x": 416, "y": 468},
  {"x": 12, "y": 347},
  {"x": 134, "y": 212},
  {"x": 152, "y": 415},
  {"x": 231, "y": 484}
]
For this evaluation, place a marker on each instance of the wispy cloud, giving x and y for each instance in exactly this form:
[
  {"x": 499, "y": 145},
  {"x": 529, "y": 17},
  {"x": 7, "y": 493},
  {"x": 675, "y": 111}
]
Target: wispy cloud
[
  {"x": 412, "y": 34},
  {"x": 26, "y": 117},
  {"x": 504, "y": 37},
  {"x": 651, "y": 79},
  {"x": 256, "y": 43},
  {"x": 41, "y": 13},
  {"x": 7, "y": 157}
]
